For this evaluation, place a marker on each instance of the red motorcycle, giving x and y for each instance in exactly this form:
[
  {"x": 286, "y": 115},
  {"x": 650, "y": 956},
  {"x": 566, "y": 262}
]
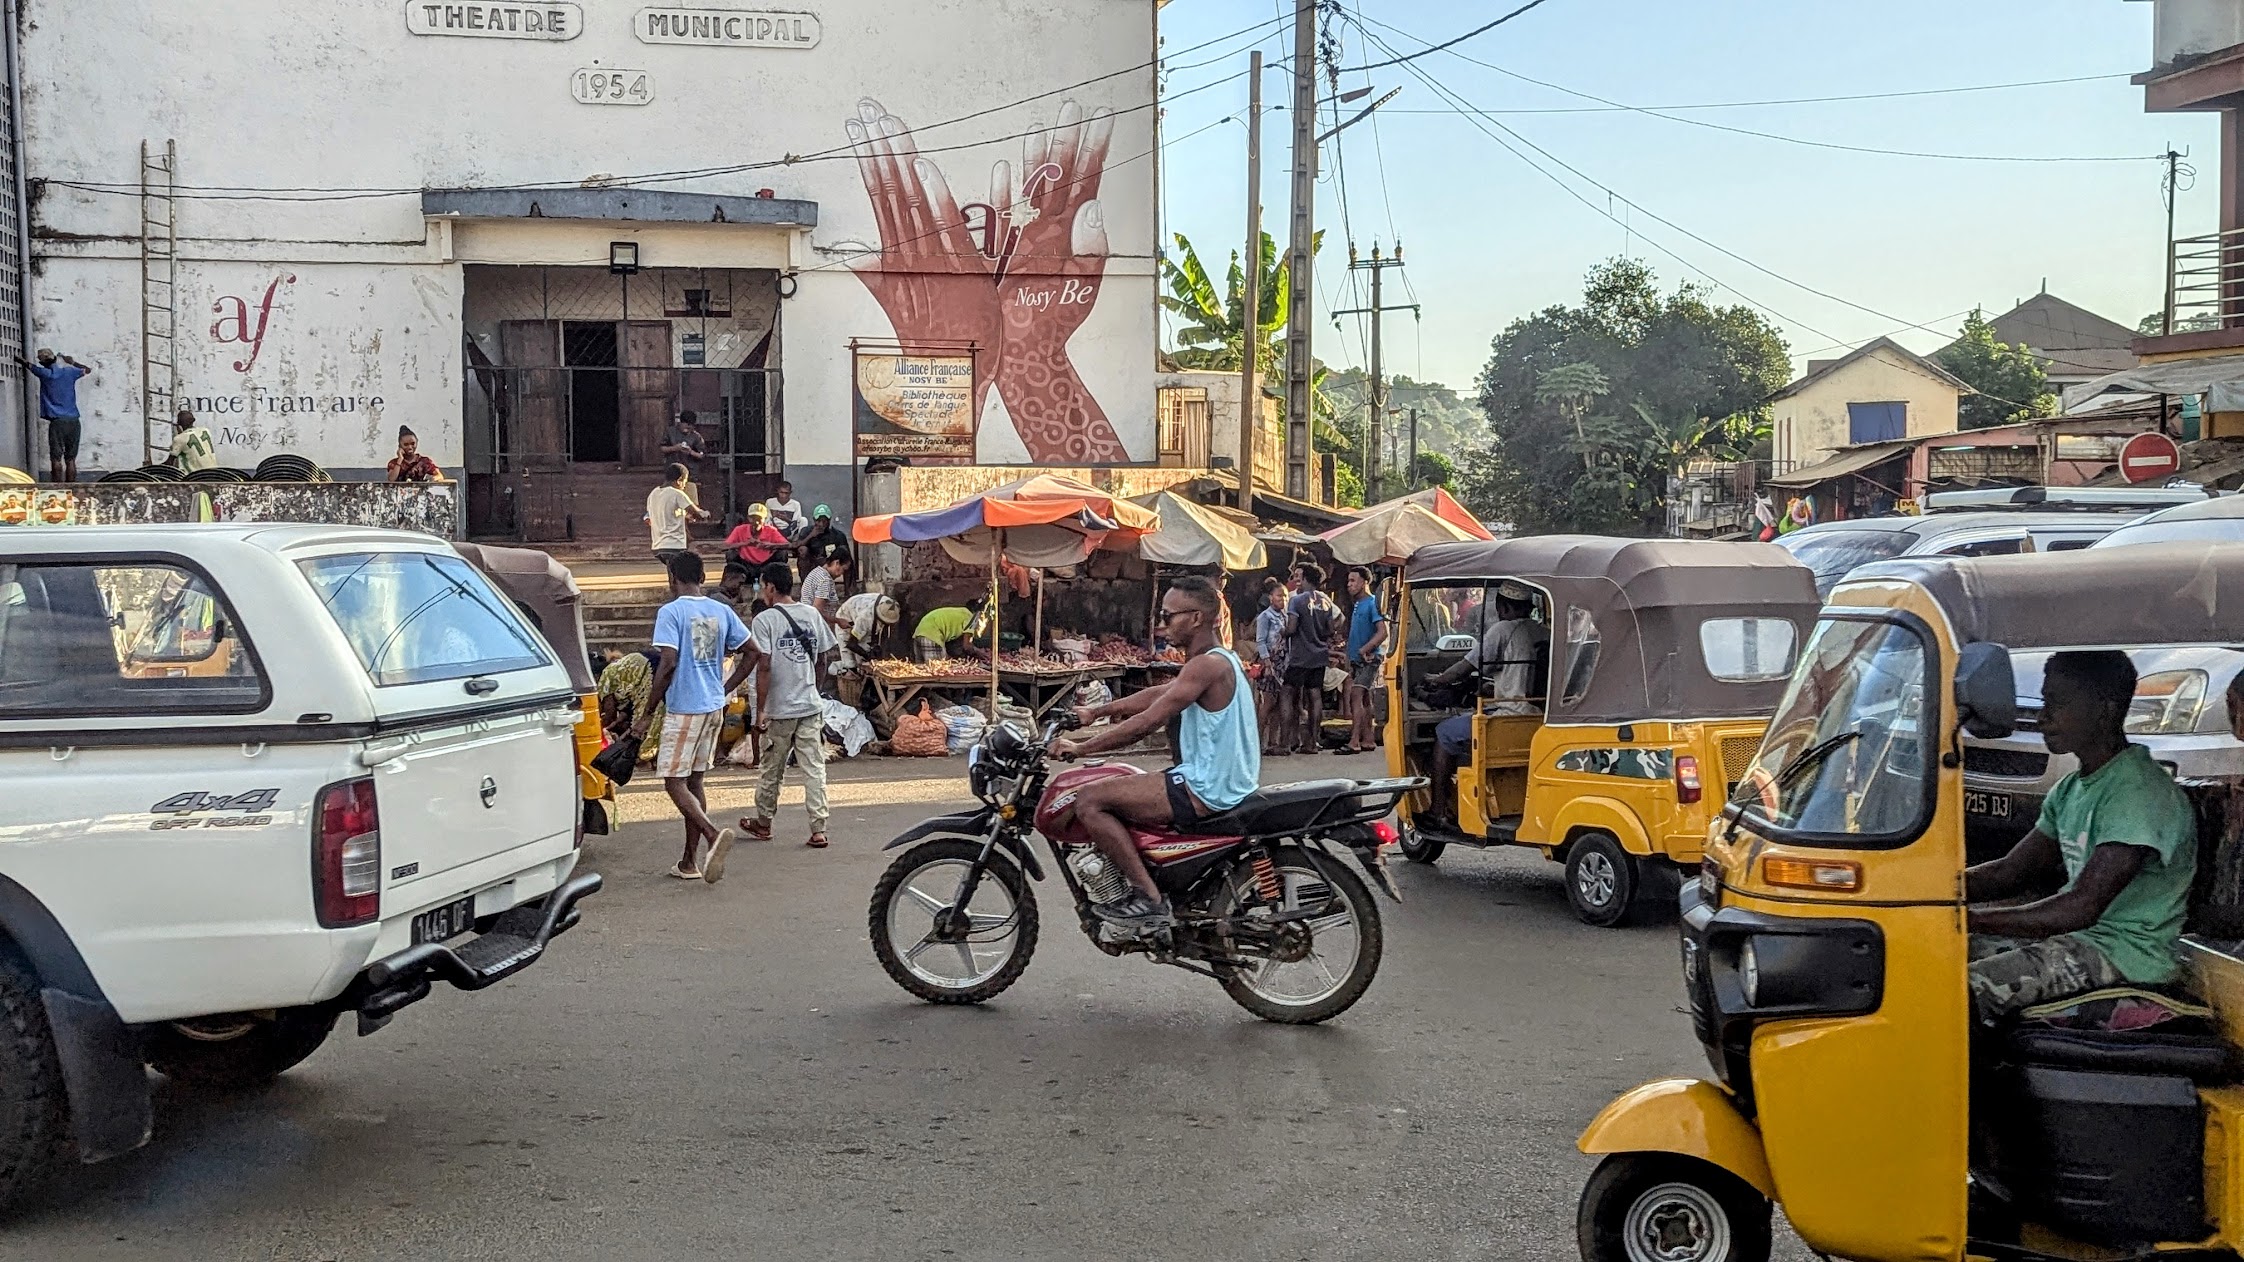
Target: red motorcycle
[{"x": 1266, "y": 901}]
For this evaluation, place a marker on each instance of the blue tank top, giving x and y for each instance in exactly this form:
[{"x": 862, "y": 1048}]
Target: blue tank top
[{"x": 1222, "y": 748}]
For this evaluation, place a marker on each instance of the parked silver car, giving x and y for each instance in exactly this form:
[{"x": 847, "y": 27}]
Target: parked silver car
[
  {"x": 2213, "y": 521},
  {"x": 1834, "y": 549},
  {"x": 2180, "y": 714}
]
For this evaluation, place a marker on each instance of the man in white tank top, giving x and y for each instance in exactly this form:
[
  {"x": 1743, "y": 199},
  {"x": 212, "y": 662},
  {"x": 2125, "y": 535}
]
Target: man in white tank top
[{"x": 1222, "y": 750}]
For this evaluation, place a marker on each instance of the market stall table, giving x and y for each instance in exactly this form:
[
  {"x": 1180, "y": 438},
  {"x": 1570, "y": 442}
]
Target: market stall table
[{"x": 898, "y": 684}]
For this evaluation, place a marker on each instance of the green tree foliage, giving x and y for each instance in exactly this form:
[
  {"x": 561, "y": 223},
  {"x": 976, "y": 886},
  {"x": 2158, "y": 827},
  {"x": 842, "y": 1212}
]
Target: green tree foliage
[
  {"x": 1212, "y": 335},
  {"x": 1434, "y": 469},
  {"x": 1589, "y": 408},
  {"x": 2009, "y": 381},
  {"x": 1446, "y": 423},
  {"x": 2154, "y": 324}
]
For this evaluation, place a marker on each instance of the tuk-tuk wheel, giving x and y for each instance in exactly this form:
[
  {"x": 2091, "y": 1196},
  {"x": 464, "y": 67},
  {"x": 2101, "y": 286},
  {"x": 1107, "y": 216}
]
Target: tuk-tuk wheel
[
  {"x": 1420, "y": 847},
  {"x": 1659, "y": 1207},
  {"x": 1601, "y": 879}
]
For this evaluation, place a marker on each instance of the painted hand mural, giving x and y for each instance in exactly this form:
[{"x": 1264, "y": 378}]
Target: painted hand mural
[{"x": 1018, "y": 274}]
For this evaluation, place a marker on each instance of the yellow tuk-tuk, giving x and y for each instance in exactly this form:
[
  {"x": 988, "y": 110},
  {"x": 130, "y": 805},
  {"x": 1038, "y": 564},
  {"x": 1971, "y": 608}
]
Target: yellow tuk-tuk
[
  {"x": 1825, "y": 957},
  {"x": 1664, "y": 659},
  {"x": 546, "y": 593}
]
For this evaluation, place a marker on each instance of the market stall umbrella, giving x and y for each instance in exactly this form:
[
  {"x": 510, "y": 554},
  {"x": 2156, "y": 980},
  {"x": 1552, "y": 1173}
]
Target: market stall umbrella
[
  {"x": 1392, "y": 533},
  {"x": 1043, "y": 520},
  {"x": 1194, "y": 534},
  {"x": 1438, "y": 501}
]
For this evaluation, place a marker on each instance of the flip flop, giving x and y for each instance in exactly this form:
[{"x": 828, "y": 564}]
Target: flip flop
[
  {"x": 713, "y": 863},
  {"x": 817, "y": 841},
  {"x": 755, "y": 829},
  {"x": 683, "y": 873}
]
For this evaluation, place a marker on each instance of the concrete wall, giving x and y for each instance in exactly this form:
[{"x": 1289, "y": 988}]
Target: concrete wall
[
  {"x": 1812, "y": 423},
  {"x": 2192, "y": 28},
  {"x": 348, "y": 103},
  {"x": 430, "y": 508}
]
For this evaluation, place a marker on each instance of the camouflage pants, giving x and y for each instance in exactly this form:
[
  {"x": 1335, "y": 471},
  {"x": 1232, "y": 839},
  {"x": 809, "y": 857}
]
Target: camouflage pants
[{"x": 2008, "y": 974}]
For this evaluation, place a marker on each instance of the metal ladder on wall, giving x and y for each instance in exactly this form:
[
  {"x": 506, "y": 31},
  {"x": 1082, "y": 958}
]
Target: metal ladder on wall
[{"x": 159, "y": 253}]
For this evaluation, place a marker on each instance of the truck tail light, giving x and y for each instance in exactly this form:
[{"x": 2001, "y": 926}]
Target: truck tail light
[
  {"x": 1687, "y": 789},
  {"x": 347, "y": 855}
]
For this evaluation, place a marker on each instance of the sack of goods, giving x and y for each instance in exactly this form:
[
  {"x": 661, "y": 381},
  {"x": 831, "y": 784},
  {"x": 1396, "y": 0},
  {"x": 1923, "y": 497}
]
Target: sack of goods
[
  {"x": 963, "y": 725},
  {"x": 920, "y": 734}
]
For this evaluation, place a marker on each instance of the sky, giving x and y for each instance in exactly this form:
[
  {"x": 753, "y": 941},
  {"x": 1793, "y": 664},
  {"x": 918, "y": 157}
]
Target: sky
[{"x": 1890, "y": 241}]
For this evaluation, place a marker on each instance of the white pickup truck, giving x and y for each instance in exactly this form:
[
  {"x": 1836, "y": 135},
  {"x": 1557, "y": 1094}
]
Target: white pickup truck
[{"x": 253, "y": 777}]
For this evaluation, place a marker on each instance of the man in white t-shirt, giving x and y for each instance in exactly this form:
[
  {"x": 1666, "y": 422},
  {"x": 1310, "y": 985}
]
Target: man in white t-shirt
[
  {"x": 669, "y": 511},
  {"x": 790, "y": 646},
  {"x": 787, "y": 511}
]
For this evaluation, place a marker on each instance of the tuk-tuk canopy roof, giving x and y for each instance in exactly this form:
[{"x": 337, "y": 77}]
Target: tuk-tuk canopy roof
[
  {"x": 547, "y": 590},
  {"x": 2164, "y": 593},
  {"x": 1645, "y": 573},
  {"x": 1628, "y": 617}
]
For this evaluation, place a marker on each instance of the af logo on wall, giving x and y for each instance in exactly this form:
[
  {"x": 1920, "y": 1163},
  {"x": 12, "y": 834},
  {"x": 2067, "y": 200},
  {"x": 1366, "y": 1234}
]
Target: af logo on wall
[{"x": 311, "y": 360}]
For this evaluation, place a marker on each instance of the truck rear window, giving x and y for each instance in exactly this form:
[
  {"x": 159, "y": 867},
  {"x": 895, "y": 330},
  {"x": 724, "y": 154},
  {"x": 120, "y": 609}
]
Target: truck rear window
[
  {"x": 416, "y": 618},
  {"x": 118, "y": 636}
]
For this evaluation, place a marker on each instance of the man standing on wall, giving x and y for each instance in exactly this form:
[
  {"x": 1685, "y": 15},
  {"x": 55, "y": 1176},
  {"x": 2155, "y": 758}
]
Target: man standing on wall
[
  {"x": 669, "y": 510},
  {"x": 693, "y": 633},
  {"x": 58, "y": 407}
]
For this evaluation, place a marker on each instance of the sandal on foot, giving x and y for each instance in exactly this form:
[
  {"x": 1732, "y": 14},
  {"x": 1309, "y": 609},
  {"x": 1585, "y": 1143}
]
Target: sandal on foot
[
  {"x": 683, "y": 873},
  {"x": 817, "y": 841},
  {"x": 755, "y": 829},
  {"x": 713, "y": 863}
]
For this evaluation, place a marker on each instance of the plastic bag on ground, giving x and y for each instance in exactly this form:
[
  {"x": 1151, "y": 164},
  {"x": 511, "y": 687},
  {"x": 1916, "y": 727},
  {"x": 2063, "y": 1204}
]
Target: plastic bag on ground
[{"x": 848, "y": 724}]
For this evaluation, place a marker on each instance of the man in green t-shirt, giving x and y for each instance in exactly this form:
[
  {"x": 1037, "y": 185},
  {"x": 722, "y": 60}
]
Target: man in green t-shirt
[
  {"x": 949, "y": 627},
  {"x": 2106, "y": 870}
]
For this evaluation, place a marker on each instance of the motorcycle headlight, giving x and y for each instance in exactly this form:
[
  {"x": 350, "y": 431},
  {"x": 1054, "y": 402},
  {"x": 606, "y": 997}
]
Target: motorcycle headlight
[
  {"x": 2167, "y": 702},
  {"x": 978, "y": 768}
]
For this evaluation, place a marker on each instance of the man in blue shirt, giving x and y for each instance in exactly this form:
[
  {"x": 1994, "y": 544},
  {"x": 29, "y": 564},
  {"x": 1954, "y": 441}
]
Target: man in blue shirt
[
  {"x": 58, "y": 407},
  {"x": 1367, "y": 648},
  {"x": 694, "y": 633}
]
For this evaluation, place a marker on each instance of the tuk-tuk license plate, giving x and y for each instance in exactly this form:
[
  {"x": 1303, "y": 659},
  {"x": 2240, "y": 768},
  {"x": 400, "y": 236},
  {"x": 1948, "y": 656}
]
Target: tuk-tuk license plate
[
  {"x": 1987, "y": 805},
  {"x": 449, "y": 921}
]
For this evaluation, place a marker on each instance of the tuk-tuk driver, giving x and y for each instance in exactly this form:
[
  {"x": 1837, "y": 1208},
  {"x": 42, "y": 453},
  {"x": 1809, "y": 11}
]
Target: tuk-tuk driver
[
  {"x": 1506, "y": 656},
  {"x": 2106, "y": 871}
]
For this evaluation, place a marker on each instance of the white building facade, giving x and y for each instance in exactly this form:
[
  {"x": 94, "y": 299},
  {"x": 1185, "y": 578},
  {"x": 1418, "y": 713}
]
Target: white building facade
[{"x": 536, "y": 233}]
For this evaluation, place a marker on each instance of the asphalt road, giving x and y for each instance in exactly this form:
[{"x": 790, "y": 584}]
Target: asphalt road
[{"x": 724, "y": 1071}]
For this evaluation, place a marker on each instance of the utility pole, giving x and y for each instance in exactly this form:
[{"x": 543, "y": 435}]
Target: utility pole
[
  {"x": 1300, "y": 303},
  {"x": 1377, "y": 265},
  {"x": 1250, "y": 383},
  {"x": 2172, "y": 181},
  {"x": 1411, "y": 470}
]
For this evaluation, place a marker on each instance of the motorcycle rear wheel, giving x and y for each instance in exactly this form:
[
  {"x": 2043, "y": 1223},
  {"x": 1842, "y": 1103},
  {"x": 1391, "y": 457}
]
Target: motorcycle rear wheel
[
  {"x": 919, "y": 887},
  {"x": 1307, "y": 991}
]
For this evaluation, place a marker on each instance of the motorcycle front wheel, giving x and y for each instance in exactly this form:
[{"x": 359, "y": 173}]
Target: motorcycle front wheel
[
  {"x": 1328, "y": 933},
  {"x": 952, "y": 955}
]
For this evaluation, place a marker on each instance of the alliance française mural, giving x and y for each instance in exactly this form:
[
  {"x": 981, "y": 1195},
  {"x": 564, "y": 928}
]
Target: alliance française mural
[{"x": 1015, "y": 271}]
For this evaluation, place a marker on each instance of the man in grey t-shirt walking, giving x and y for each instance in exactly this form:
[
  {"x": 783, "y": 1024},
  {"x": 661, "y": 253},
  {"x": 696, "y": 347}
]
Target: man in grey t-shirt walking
[{"x": 790, "y": 645}]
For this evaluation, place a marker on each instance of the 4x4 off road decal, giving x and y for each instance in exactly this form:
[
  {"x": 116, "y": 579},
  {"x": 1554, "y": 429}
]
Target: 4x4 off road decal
[{"x": 212, "y": 810}]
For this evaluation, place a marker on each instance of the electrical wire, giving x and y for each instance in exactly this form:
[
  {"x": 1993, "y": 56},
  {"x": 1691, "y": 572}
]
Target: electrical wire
[
  {"x": 1478, "y": 30},
  {"x": 220, "y": 192},
  {"x": 1789, "y": 100},
  {"x": 1610, "y": 104},
  {"x": 1516, "y": 151},
  {"x": 1467, "y": 107}
]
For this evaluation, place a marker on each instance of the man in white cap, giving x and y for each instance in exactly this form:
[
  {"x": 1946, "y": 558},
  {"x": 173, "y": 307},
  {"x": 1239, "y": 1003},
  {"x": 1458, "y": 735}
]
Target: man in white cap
[
  {"x": 860, "y": 620},
  {"x": 1506, "y": 657}
]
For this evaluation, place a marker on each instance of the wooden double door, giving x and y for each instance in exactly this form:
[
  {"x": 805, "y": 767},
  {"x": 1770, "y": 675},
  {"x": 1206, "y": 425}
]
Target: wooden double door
[{"x": 585, "y": 396}]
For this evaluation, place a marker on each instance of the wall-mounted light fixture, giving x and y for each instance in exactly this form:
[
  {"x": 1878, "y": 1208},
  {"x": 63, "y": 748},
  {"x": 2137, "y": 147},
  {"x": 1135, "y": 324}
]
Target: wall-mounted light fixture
[{"x": 623, "y": 257}]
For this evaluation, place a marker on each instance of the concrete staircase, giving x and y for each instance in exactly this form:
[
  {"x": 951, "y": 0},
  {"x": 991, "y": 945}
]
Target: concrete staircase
[{"x": 619, "y": 609}]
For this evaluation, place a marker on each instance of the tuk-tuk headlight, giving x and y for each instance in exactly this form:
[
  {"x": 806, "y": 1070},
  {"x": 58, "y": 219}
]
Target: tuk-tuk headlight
[{"x": 1749, "y": 974}]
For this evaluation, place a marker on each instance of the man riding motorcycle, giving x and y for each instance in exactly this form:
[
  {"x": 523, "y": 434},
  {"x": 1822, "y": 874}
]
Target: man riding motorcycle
[{"x": 1219, "y": 743}]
